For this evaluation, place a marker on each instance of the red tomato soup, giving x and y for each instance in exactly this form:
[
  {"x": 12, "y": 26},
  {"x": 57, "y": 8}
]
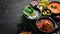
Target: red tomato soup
[{"x": 45, "y": 25}]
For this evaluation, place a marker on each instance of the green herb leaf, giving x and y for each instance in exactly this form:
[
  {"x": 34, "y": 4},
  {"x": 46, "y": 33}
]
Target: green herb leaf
[{"x": 53, "y": 7}]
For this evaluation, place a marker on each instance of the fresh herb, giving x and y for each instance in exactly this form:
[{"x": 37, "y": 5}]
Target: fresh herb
[{"x": 53, "y": 7}]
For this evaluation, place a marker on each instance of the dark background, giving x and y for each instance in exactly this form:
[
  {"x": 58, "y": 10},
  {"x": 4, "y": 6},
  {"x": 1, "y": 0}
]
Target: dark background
[{"x": 10, "y": 15}]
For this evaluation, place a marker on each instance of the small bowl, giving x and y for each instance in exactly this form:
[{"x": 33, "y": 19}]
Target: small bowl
[
  {"x": 48, "y": 19},
  {"x": 37, "y": 15},
  {"x": 34, "y": 3},
  {"x": 52, "y": 4}
]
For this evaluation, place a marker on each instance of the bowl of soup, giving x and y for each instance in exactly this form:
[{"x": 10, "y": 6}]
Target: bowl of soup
[{"x": 45, "y": 24}]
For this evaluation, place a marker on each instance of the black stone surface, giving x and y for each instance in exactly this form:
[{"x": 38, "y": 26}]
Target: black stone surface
[{"x": 10, "y": 15}]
